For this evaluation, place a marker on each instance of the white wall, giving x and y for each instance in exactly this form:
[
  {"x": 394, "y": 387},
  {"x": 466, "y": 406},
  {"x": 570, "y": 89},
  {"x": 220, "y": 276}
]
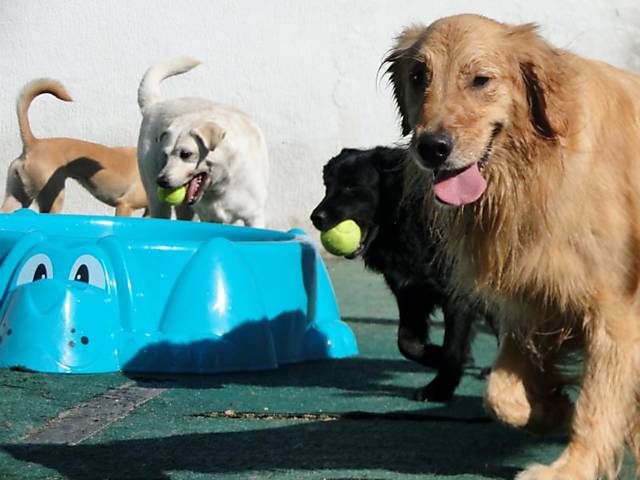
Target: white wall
[{"x": 305, "y": 69}]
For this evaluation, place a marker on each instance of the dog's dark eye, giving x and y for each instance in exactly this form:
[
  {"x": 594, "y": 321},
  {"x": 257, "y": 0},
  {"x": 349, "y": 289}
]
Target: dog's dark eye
[
  {"x": 480, "y": 81},
  {"x": 418, "y": 76},
  {"x": 184, "y": 154}
]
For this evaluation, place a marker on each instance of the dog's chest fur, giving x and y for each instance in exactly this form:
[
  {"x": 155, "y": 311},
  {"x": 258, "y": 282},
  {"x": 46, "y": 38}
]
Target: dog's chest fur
[
  {"x": 404, "y": 250},
  {"x": 222, "y": 203}
]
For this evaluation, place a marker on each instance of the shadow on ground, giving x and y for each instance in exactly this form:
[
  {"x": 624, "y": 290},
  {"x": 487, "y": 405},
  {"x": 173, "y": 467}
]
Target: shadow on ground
[
  {"x": 396, "y": 446},
  {"x": 358, "y": 376},
  {"x": 358, "y": 379}
]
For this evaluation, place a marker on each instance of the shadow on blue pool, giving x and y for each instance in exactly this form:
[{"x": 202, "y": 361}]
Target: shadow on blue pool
[
  {"x": 262, "y": 344},
  {"x": 82, "y": 294}
]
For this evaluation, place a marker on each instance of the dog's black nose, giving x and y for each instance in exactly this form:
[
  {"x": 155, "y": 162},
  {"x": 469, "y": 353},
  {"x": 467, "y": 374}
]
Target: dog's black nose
[
  {"x": 434, "y": 148},
  {"x": 318, "y": 217},
  {"x": 163, "y": 182}
]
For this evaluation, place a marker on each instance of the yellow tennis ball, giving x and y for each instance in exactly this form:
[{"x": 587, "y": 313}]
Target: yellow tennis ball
[
  {"x": 172, "y": 196},
  {"x": 343, "y": 239}
]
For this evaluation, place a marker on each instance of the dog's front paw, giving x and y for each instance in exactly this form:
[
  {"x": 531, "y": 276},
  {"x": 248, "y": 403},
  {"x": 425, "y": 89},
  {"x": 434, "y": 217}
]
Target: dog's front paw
[
  {"x": 551, "y": 415},
  {"x": 545, "y": 472},
  {"x": 439, "y": 390},
  {"x": 506, "y": 399},
  {"x": 427, "y": 355}
]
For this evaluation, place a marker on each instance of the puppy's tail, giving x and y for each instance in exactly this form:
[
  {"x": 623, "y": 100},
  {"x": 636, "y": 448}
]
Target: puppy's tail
[
  {"x": 149, "y": 90},
  {"x": 30, "y": 91}
]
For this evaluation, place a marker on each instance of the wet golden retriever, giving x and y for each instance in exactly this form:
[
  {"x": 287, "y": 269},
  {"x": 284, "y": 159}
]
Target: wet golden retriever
[{"x": 535, "y": 154}]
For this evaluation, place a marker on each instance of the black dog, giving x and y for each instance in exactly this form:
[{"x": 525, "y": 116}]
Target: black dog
[{"x": 367, "y": 186}]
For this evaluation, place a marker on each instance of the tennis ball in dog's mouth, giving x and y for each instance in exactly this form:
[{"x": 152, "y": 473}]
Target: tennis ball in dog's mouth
[
  {"x": 172, "y": 196},
  {"x": 343, "y": 239}
]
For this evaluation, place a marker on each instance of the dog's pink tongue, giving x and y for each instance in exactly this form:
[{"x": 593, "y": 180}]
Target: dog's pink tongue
[
  {"x": 191, "y": 191},
  {"x": 193, "y": 188},
  {"x": 460, "y": 187}
]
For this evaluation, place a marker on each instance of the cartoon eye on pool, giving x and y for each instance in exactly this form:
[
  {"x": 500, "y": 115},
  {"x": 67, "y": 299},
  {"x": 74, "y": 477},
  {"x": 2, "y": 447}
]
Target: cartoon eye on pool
[
  {"x": 36, "y": 268},
  {"x": 88, "y": 269}
]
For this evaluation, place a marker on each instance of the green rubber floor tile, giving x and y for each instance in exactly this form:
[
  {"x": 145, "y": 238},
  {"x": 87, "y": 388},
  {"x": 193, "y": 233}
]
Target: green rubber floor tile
[{"x": 28, "y": 400}]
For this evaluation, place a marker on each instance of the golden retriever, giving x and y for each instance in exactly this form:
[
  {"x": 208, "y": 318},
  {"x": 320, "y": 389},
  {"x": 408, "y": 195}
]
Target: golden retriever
[
  {"x": 110, "y": 174},
  {"x": 536, "y": 152}
]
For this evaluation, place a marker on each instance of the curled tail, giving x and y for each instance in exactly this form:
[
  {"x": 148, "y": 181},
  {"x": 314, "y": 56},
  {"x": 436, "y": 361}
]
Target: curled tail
[
  {"x": 149, "y": 90},
  {"x": 30, "y": 91}
]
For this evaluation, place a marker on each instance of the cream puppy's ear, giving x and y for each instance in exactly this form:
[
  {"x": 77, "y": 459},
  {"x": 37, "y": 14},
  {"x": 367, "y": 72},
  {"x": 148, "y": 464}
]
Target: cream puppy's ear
[
  {"x": 208, "y": 135},
  {"x": 161, "y": 137}
]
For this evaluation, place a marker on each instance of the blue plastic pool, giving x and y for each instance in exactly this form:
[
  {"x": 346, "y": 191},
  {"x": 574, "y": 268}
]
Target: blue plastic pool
[{"x": 85, "y": 294}]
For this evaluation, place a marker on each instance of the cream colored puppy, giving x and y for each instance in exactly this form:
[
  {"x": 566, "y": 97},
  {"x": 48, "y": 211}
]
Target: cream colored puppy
[{"x": 217, "y": 152}]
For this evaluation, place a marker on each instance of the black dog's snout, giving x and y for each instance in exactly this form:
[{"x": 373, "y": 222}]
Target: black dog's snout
[
  {"x": 163, "y": 181},
  {"x": 434, "y": 148},
  {"x": 318, "y": 218}
]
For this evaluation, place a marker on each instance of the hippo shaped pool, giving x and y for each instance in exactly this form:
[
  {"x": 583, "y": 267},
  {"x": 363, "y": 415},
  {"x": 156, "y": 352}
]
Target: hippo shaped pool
[{"x": 88, "y": 294}]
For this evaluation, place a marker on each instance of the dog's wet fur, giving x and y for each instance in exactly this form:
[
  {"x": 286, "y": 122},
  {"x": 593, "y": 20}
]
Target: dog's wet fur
[
  {"x": 547, "y": 227},
  {"x": 367, "y": 186}
]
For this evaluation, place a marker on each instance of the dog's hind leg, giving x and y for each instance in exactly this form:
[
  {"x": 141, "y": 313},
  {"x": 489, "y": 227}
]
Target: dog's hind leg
[
  {"x": 51, "y": 203},
  {"x": 459, "y": 316},
  {"x": 123, "y": 210},
  {"x": 16, "y": 195},
  {"x": 50, "y": 188},
  {"x": 50, "y": 199}
]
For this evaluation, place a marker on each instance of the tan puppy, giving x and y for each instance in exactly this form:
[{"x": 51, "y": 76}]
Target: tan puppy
[
  {"x": 109, "y": 174},
  {"x": 536, "y": 152}
]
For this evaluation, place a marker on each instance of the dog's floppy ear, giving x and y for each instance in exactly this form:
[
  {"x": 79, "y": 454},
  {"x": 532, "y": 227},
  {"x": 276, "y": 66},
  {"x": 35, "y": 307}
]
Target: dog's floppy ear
[
  {"x": 398, "y": 61},
  {"x": 161, "y": 137},
  {"x": 536, "y": 99},
  {"x": 544, "y": 72},
  {"x": 209, "y": 135},
  {"x": 388, "y": 159}
]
